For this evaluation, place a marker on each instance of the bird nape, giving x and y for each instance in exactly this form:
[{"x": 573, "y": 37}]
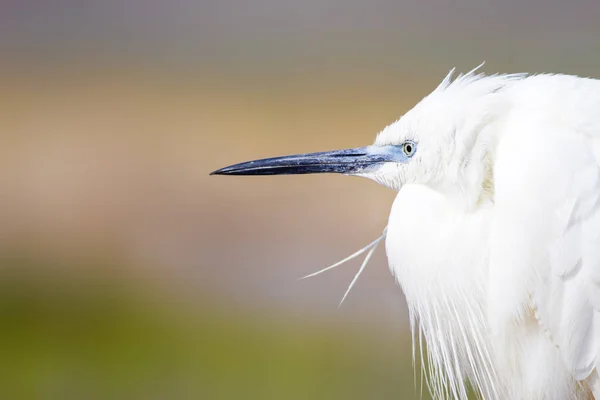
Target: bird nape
[{"x": 494, "y": 235}]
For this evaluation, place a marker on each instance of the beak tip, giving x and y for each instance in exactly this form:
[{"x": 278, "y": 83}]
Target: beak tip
[{"x": 221, "y": 171}]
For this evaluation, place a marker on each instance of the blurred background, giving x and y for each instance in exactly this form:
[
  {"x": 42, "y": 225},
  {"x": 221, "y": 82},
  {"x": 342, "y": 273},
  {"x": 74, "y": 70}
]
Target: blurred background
[{"x": 127, "y": 272}]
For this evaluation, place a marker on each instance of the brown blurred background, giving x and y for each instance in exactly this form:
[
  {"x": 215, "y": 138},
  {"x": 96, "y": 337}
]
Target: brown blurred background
[{"x": 128, "y": 272}]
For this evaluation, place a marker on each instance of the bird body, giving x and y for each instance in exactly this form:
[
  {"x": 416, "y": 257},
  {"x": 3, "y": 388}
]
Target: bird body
[
  {"x": 505, "y": 284},
  {"x": 494, "y": 235}
]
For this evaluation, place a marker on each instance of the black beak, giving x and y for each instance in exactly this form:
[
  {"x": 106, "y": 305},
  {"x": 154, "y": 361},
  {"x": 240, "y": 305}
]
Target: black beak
[{"x": 348, "y": 161}]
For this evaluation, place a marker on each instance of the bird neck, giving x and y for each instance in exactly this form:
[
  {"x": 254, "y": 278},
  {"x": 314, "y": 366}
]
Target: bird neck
[{"x": 471, "y": 182}]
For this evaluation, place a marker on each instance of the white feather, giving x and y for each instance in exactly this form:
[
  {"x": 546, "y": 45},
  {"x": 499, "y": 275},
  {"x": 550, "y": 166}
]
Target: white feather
[
  {"x": 371, "y": 247},
  {"x": 495, "y": 234}
]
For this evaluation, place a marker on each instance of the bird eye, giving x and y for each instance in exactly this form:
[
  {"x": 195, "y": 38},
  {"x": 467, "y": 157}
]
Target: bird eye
[{"x": 409, "y": 148}]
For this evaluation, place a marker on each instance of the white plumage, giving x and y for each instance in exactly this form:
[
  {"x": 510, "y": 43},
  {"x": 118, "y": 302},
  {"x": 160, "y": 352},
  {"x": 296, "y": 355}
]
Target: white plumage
[{"x": 494, "y": 235}]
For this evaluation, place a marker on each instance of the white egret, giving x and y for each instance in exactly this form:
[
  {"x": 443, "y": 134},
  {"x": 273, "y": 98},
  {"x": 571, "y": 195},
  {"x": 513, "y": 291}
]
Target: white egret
[{"x": 494, "y": 235}]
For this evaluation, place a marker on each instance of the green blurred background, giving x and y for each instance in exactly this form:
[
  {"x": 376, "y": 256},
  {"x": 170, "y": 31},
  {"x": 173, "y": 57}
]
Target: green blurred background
[{"x": 127, "y": 272}]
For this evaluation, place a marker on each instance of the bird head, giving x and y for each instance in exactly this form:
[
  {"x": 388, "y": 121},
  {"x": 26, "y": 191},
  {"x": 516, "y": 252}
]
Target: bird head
[{"x": 443, "y": 142}]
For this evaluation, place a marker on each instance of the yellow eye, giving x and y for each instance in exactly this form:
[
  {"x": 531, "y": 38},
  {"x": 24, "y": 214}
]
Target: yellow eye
[{"x": 409, "y": 148}]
